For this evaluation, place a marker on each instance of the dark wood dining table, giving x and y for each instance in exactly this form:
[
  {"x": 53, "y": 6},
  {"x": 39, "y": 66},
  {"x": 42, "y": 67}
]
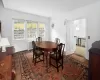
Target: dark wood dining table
[{"x": 47, "y": 47}]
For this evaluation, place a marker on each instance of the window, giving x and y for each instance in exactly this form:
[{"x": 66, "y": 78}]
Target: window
[
  {"x": 31, "y": 30},
  {"x": 19, "y": 29},
  {"x": 24, "y": 29},
  {"x": 41, "y": 27}
]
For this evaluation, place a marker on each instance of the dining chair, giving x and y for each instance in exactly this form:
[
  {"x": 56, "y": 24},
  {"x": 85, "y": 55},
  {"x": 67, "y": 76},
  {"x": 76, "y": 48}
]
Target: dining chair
[
  {"x": 37, "y": 53},
  {"x": 57, "y": 56},
  {"x": 57, "y": 40},
  {"x": 39, "y": 39}
]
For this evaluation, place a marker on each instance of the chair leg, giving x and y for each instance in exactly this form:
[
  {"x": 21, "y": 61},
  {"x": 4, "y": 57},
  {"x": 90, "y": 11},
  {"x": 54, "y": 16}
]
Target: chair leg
[
  {"x": 62, "y": 63},
  {"x": 57, "y": 66},
  {"x": 43, "y": 58},
  {"x": 49, "y": 61},
  {"x": 33, "y": 58}
]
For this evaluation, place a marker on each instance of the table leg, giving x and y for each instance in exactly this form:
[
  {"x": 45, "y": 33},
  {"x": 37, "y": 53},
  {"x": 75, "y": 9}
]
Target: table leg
[{"x": 47, "y": 61}]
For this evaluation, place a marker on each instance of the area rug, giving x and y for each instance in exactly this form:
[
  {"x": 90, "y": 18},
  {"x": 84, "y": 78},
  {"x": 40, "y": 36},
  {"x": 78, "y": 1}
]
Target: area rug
[{"x": 25, "y": 69}]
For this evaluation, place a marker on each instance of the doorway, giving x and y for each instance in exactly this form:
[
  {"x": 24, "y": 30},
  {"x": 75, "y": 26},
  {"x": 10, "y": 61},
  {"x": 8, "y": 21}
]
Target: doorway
[{"x": 80, "y": 37}]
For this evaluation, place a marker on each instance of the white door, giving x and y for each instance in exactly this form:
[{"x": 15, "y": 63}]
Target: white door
[{"x": 70, "y": 39}]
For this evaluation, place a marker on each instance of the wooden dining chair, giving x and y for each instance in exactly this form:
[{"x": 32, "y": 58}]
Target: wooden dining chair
[
  {"x": 39, "y": 39},
  {"x": 37, "y": 53},
  {"x": 57, "y": 40},
  {"x": 57, "y": 56}
]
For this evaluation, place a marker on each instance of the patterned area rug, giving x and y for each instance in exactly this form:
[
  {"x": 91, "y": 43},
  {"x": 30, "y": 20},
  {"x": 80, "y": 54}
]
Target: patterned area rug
[{"x": 25, "y": 69}]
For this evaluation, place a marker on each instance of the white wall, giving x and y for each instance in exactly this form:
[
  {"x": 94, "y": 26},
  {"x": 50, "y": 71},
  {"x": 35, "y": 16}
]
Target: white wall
[
  {"x": 59, "y": 30},
  {"x": 6, "y": 16},
  {"x": 90, "y": 12},
  {"x": 92, "y": 15}
]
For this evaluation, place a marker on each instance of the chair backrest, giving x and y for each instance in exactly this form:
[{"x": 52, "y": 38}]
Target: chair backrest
[
  {"x": 33, "y": 45},
  {"x": 57, "y": 40},
  {"x": 60, "y": 49},
  {"x": 39, "y": 39}
]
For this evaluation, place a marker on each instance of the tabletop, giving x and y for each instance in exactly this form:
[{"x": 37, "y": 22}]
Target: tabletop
[{"x": 46, "y": 44}]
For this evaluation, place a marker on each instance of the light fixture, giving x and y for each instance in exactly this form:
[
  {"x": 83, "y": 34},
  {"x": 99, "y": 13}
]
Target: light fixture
[
  {"x": 4, "y": 43},
  {"x": 65, "y": 21},
  {"x": 52, "y": 25}
]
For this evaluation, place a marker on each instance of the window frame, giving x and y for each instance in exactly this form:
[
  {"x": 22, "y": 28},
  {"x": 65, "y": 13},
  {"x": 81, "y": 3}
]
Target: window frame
[
  {"x": 25, "y": 29},
  {"x": 13, "y": 28},
  {"x": 44, "y": 29},
  {"x": 30, "y": 39}
]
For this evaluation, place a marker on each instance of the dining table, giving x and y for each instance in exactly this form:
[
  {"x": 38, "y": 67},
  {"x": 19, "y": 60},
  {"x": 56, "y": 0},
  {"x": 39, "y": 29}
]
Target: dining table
[{"x": 47, "y": 47}]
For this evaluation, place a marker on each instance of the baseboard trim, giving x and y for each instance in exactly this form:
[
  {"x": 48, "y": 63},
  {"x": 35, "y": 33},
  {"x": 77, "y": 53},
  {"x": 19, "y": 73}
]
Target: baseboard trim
[{"x": 21, "y": 51}]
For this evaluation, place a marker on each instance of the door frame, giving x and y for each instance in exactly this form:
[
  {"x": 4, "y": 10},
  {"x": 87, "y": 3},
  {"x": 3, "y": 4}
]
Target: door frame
[{"x": 86, "y": 28}]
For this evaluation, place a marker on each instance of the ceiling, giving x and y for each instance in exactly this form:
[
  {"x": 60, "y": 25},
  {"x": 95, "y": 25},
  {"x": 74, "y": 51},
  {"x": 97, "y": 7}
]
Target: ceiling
[{"x": 46, "y": 7}]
